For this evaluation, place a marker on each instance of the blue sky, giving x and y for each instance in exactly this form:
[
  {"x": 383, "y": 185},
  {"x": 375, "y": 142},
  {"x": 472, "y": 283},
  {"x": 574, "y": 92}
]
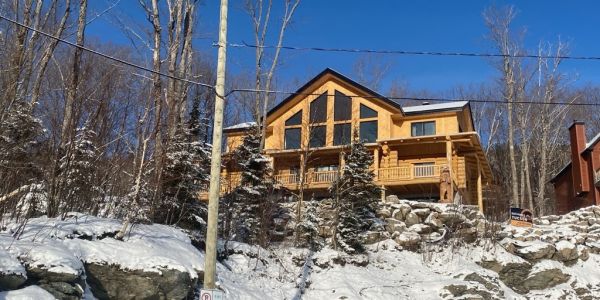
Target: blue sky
[{"x": 391, "y": 24}]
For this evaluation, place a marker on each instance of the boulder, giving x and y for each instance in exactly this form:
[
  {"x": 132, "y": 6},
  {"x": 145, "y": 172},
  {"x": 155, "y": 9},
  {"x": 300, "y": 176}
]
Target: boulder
[
  {"x": 392, "y": 199},
  {"x": 420, "y": 228},
  {"x": 536, "y": 251},
  {"x": 566, "y": 251},
  {"x": 409, "y": 240},
  {"x": 112, "y": 282},
  {"x": 411, "y": 219},
  {"x": 434, "y": 220},
  {"x": 469, "y": 235},
  {"x": 583, "y": 252},
  {"x": 12, "y": 273},
  {"x": 372, "y": 237},
  {"x": 452, "y": 218},
  {"x": 422, "y": 212},
  {"x": 393, "y": 225},
  {"x": 384, "y": 213},
  {"x": 544, "y": 275},
  {"x": 462, "y": 291},
  {"x": 511, "y": 269}
]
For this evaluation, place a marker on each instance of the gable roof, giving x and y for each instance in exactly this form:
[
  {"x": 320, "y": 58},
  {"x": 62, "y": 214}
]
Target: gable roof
[
  {"x": 588, "y": 147},
  {"x": 342, "y": 77},
  {"x": 427, "y": 108}
]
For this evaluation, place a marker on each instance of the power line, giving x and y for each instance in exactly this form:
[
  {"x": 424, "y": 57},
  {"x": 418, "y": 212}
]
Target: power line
[
  {"x": 406, "y": 52},
  {"x": 432, "y": 99},
  {"x": 105, "y": 55}
]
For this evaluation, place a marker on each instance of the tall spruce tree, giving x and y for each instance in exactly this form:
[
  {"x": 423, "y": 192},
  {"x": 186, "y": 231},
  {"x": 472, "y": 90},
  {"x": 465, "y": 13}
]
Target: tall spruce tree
[
  {"x": 77, "y": 171},
  {"x": 356, "y": 197},
  {"x": 186, "y": 172},
  {"x": 251, "y": 201},
  {"x": 308, "y": 228}
]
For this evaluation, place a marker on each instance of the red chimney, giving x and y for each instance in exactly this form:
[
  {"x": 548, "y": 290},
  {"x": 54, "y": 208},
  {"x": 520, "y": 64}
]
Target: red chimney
[{"x": 581, "y": 183}]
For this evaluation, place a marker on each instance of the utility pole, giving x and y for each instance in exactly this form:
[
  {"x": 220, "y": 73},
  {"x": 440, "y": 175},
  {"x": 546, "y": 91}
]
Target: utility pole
[{"x": 210, "y": 259}]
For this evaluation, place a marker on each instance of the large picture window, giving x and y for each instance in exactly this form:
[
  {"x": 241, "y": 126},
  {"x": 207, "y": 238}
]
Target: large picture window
[
  {"x": 368, "y": 131},
  {"x": 318, "y": 134},
  {"x": 422, "y": 128},
  {"x": 366, "y": 112},
  {"x": 342, "y": 107},
  {"x": 318, "y": 109},
  {"x": 296, "y": 119},
  {"x": 342, "y": 134},
  {"x": 292, "y": 138}
]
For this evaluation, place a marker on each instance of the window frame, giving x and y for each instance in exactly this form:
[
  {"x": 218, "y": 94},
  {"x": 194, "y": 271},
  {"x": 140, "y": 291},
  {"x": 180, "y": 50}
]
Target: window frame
[
  {"x": 285, "y": 139},
  {"x": 414, "y": 132},
  {"x": 360, "y": 130},
  {"x": 311, "y": 136}
]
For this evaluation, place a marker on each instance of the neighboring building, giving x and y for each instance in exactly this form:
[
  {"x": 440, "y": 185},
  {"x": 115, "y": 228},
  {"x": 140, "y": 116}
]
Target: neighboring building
[
  {"x": 427, "y": 152},
  {"x": 577, "y": 185}
]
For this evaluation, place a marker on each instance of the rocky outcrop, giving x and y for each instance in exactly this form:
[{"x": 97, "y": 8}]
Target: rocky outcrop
[{"x": 112, "y": 282}]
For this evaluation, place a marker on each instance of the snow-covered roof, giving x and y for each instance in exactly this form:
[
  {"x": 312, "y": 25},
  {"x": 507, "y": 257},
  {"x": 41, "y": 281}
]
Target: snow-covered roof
[
  {"x": 592, "y": 142},
  {"x": 241, "y": 126},
  {"x": 434, "y": 107}
]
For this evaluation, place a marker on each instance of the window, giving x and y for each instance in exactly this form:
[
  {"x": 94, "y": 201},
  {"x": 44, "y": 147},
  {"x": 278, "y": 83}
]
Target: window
[
  {"x": 366, "y": 112},
  {"x": 318, "y": 135},
  {"x": 296, "y": 119},
  {"x": 342, "y": 134},
  {"x": 368, "y": 131},
  {"x": 292, "y": 138},
  {"x": 326, "y": 168},
  {"x": 318, "y": 109},
  {"x": 342, "y": 107},
  {"x": 423, "y": 128}
]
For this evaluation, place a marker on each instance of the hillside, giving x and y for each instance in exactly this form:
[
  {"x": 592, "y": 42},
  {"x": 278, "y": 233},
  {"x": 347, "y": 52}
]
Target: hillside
[{"x": 79, "y": 258}]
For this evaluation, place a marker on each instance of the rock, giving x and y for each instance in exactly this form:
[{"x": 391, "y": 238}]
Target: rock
[
  {"x": 420, "y": 229},
  {"x": 451, "y": 218},
  {"x": 486, "y": 281},
  {"x": 422, "y": 212},
  {"x": 511, "y": 269},
  {"x": 583, "y": 252},
  {"x": 545, "y": 275},
  {"x": 566, "y": 251},
  {"x": 536, "y": 251},
  {"x": 409, "y": 240},
  {"x": 111, "y": 282},
  {"x": 411, "y": 219},
  {"x": 393, "y": 225},
  {"x": 397, "y": 214},
  {"x": 434, "y": 220},
  {"x": 13, "y": 274},
  {"x": 372, "y": 237},
  {"x": 461, "y": 291},
  {"x": 468, "y": 235},
  {"x": 392, "y": 199},
  {"x": 384, "y": 213}
]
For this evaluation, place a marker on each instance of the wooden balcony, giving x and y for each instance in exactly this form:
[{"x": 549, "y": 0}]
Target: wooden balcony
[
  {"x": 384, "y": 176},
  {"x": 313, "y": 179},
  {"x": 406, "y": 173}
]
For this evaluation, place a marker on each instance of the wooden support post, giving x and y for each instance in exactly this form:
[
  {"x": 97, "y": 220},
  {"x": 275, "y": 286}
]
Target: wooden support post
[
  {"x": 376, "y": 163},
  {"x": 479, "y": 187},
  {"x": 450, "y": 168},
  {"x": 383, "y": 193}
]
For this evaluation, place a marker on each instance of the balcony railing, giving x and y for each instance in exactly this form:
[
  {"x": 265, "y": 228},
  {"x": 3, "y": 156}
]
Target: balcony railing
[
  {"x": 319, "y": 177},
  {"x": 408, "y": 172}
]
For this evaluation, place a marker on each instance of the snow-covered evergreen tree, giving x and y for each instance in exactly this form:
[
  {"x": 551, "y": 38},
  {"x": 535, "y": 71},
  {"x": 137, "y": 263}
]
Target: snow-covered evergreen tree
[
  {"x": 252, "y": 201},
  {"x": 77, "y": 171},
  {"x": 356, "y": 197},
  {"x": 308, "y": 228},
  {"x": 186, "y": 172}
]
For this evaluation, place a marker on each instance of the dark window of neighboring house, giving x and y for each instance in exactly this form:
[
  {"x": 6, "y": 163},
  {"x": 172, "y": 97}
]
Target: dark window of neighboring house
[
  {"x": 366, "y": 112},
  {"x": 296, "y": 119},
  {"x": 341, "y": 134},
  {"x": 292, "y": 138},
  {"x": 342, "y": 107},
  {"x": 326, "y": 168},
  {"x": 368, "y": 131},
  {"x": 422, "y": 128},
  {"x": 318, "y": 109},
  {"x": 317, "y": 136}
]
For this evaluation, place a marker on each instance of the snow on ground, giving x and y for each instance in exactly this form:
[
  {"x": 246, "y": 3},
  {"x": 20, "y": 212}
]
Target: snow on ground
[
  {"x": 62, "y": 245},
  {"x": 28, "y": 293},
  {"x": 10, "y": 265}
]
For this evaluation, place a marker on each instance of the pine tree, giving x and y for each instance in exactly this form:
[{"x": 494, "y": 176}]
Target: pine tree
[
  {"x": 252, "y": 204},
  {"x": 356, "y": 198},
  {"x": 186, "y": 171},
  {"x": 77, "y": 171},
  {"x": 308, "y": 229}
]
